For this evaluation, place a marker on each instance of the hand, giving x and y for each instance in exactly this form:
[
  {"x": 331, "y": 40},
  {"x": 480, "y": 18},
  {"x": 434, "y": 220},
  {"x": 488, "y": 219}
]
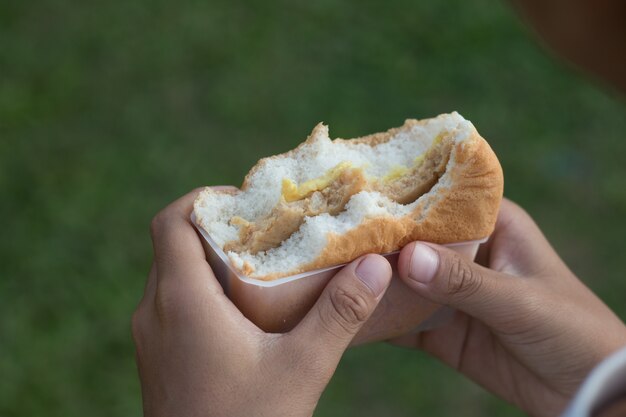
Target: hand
[
  {"x": 526, "y": 328},
  {"x": 198, "y": 355}
]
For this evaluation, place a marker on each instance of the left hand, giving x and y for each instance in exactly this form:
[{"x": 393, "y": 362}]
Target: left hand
[{"x": 198, "y": 355}]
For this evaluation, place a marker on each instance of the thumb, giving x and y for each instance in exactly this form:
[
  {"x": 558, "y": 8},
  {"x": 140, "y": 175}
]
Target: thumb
[
  {"x": 445, "y": 277},
  {"x": 344, "y": 306}
]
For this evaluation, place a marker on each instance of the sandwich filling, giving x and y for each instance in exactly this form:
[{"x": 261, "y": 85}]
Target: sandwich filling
[{"x": 331, "y": 192}]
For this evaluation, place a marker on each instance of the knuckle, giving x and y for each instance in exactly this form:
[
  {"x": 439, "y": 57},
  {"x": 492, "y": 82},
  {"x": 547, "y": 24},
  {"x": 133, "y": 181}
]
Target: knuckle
[
  {"x": 349, "y": 310},
  {"x": 156, "y": 224},
  {"x": 462, "y": 280},
  {"x": 513, "y": 206},
  {"x": 519, "y": 212},
  {"x": 512, "y": 210}
]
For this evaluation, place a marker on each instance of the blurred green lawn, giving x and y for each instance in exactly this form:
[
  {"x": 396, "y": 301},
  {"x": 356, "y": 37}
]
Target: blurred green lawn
[{"x": 111, "y": 109}]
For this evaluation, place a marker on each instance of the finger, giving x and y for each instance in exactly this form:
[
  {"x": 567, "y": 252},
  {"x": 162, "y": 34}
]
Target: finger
[
  {"x": 409, "y": 340},
  {"x": 173, "y": 236},
  {"x": 178, "y": 251},
  {"x": 140, "y": 320},
  {"x": 517, "y": 246},
  {"x": 445, "y": 342},
  {"x": 151, "y": 284},
  {"x": 344, "y": 306},
  {"x": 443, "y": 276},
  {"x": 483, "y": 254},
  {"x": 511, "y": 218}
]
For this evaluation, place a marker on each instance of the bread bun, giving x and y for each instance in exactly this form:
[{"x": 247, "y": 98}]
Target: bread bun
[{"x": 328, "y": 202}]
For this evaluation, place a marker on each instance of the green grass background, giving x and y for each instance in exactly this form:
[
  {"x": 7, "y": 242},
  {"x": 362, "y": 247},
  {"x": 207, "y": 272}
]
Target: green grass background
[{"x": 111, "y": 109}]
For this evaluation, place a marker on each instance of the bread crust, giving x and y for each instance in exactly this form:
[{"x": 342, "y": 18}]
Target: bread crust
[{"x": 465, "y": 210}]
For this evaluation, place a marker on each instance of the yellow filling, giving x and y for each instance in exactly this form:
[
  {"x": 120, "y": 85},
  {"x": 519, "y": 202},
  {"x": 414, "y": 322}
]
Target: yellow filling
[
  {"x": 395, "y": 173},
  {"x": 400, "y": 171},
  {"x": 292, "y": 192},
  {"x": 438, "y": 139},
  {"x": 239, "y": 221}
]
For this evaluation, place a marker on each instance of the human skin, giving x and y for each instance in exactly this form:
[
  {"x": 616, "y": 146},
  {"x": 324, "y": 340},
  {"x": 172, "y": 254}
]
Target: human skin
[
  {"x": 197, "y": 354},
  {"x": 526, "y": 328}
]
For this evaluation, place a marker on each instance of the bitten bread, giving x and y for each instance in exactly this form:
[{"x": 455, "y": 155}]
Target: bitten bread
[{"x": 328, "y": 202}]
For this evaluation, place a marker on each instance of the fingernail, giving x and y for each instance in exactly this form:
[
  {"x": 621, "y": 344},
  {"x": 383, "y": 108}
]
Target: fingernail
[
  {"x": 373, "y": 271},
  {"x": 424, "y": 263}
]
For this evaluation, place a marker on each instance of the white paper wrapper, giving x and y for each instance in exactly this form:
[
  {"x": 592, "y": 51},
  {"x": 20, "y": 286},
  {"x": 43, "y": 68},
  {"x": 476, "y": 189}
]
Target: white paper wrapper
[{"x": 278, "y": 305}]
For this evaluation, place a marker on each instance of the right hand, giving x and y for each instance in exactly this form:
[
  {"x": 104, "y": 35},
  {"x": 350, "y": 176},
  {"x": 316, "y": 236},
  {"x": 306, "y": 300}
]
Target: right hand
[{"x": 526, "y": 328}]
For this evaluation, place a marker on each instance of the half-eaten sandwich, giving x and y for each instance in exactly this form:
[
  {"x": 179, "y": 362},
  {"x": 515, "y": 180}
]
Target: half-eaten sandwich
[{"x": 328, "y": 202}]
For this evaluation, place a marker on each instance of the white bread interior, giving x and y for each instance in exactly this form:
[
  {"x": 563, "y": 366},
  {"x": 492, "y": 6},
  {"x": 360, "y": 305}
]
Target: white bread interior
[{"x": 462, "y": 205}]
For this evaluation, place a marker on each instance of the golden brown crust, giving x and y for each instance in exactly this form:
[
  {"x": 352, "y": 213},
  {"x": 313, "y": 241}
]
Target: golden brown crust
[{"x": 467, "y": 210}]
